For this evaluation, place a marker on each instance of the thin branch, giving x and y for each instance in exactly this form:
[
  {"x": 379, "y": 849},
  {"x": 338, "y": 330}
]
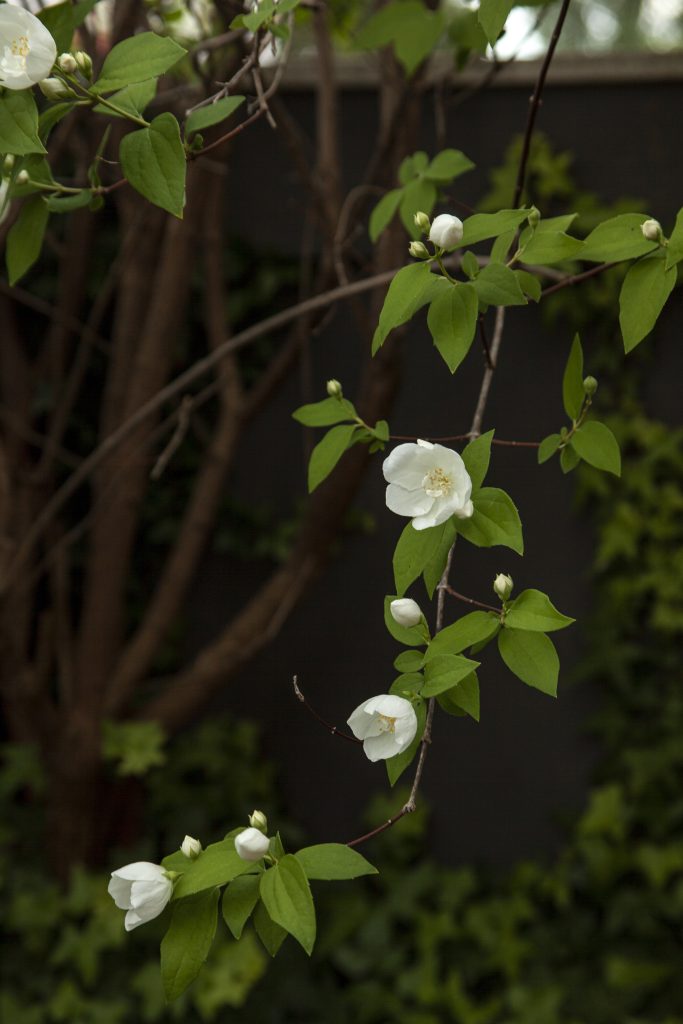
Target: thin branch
[
  {"x": 184, "y": 418},
  {"x": 468, "y": 600},
  {"x": 465, "y": 437},
  {"x": 576, "y": 278},
  {"x": 323, "y": 721}
]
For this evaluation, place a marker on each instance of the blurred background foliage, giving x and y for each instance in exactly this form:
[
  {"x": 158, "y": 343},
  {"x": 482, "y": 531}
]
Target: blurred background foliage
[{"x": 593, "y": 936}]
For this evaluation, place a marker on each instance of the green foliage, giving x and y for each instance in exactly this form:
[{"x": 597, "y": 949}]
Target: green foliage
[
  {"x": 135, "y": 746},
  {"x": 333, "y": 862},
  {"x": 647, "y": 286},
  {"x": 532, "y": 657},
  {"x": 205, "y": 117},
  {"x": 408, "y": 26},
  {"x": 495, "y": 521},
  {"x": 137, "y": 59},
  {"x": 19, "y": 124},
  {"x": 153, "y": 161},
  {"x": 492, "y": 17},
  {"x": 287, "y": 899},
  {"x": 452, "y": 321},
  {"x": 535, "y": 611},
  {"x": 25, "y": 238},
  {"x": 187, "y": 942}
]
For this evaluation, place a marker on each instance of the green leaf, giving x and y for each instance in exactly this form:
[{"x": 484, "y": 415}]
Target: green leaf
[
  {"x": 138, "y": 59},
  {"x": 445, "y": 671},
  {"x": 674, "y": 252},
  {"x": 407, "y": 684},
  {"x": 481, "y": 226},
  {"x": 413, "y": 637},
  {"x": 51, "y": 116},
  {"x": 411, "y": 289},
  {"x": 497, "y": 285},
  {"x": 408, "y": 25},
  {"x": 65, "y": 204},
  {"x": 463, "y": 697},
  {"x": 476, "y": 455},
  {"x": 547, "y": 245},
  {"x": 434, "y": 568},
  {"x": 413, "y": 553},
  {"x": 239, "y": 899},
  {"x": 495, "y": 521},
  {"x": 333, "y": 862},
  {"x": 216, "y": 865},
  {"x": 529, "y": 284},
  {"x": 452, "y": 321},
  {"x": 398, "y": 764},
  {"x": 447, "y": 165},
  {"x": 470, "y": 629},
  {"x": 25, "y": 238},
  {"x": 19, "y": 123},
  {"x": 133, "y": 99},
  {"x": 286, "y": 896},
  {"x": 187, "y": 942},
  {"x": 643, "y": 295},
  {"x": 325, "y": 413},
  {"x": 328, "y": 452},
  {"x": 596, "y": 444},
  {"x": 492, "y": 17},
  {"x": 212, "y": 114},
  {"x": 408, "y": 661},
  {"x": 384, "y": 212},
  {"x": 413, "y": 166},
  {"x": 59, "y": 21},
  {"x": 619, "y": 238},
  {"x": 417, "y": 195},
  {"x": 548, "y": 447},
  {"x": 153, "y": 160},
  {"x": 572, "y": 382},
  {"x": 534, "y": 610},
  {"x": 569, "y": 460},
  {"x": 271, "y": 934},
  {"x": 469, "y": 265},
  {"x": 531, "y": 657}
]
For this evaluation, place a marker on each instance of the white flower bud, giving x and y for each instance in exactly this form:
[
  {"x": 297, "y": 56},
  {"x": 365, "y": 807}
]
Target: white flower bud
[
  {"x": 406, "y": 612},
  {"x": 503, "y": 585},
  {"x": 590, "y": 386},
  {"x": 446, "y": 231},
  {"x": 534, "y": 217},
  {"x": 422, "y": 221},
  {"x": 66, "y": 62},
  {"x": 143, "y": 889},
  {"x": 334, "y": 388},
  {"x": 257, "y": 819},
  {"x": 8, "y": 164},
  {"x": 54, "y": 89},
  {"x": 83, "y": 63},
  {"x": 190, "y": 847},
  {"x": 419, "y": 250},
  {"x": 252, "y": 844},
  {"x": 652, "y": 230},
  {"x": 22, "y": 178}
]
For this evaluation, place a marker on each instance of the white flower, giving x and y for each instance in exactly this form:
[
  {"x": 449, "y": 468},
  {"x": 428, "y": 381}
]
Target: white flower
[
  {"x": 446, "y": 231},
  {"x": 427, "y": 482},
  {"x": 257, "y": 819},
  {"x": 387, "y": 725},
  {"x": 252, "y": 844},
  {"x": 67, "y": 63},
  {"x": 334, "y": 388},
  {"x": 27, "y": 50},
  {"x": 502, "y": 586},
  {"x": 54, "y": 89},
  {"x": 143, "y": 889},
  {"x": 405, "y": 611},
  {"x": 652, "y": 230},
  {"x": 190, "y": 847}
]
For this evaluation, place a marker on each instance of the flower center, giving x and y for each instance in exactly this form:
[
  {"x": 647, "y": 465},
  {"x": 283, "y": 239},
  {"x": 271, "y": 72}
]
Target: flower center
[
  {"x": 437, "y": 483},
  {"x": 387, "y": 723},
  {"x": 14, "y": 59}
]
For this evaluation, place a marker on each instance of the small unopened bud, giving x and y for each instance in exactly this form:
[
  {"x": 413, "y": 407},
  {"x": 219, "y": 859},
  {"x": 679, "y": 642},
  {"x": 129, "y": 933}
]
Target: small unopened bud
[
  {"x": 66, "y": 62},
  {"x": 252, "y": 844},
  {"x": 83, "y": 63},
  {"x": 257, "y": 819},
  {"x": 405, "y": 611},
  {"x": 190, "y": 847},
  {"x": 22, "y": 178},
  {"x": 422, "y": 221},
  {"x": 652, "y": 230},
  {"x": 446, "y": 231},
  {"x": 8, "y": 164},
  {"x": 590, "y": 386},
  {"x": 334, "y": 388},
  {"x": 502, "y": 586},
  {"x": 418, "y": 250},
  {"x": 534, "y": 217},
  {"x": 54, "y": 89}
]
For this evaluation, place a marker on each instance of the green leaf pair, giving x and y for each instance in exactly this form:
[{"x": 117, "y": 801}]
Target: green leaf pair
[
  {"x": 341, "y": 437},
  {"x": 523, "y": 644}
]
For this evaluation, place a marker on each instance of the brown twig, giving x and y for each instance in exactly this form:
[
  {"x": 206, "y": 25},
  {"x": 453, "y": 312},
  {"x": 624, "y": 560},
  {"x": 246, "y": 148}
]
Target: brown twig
[
  {"x": 465, "y": 437},
  {"x": 177, "y": 438},
  {"x": 323, "y": 721},
  {"x": 576, "y": 278},
  {"x": 468, "y": 600}
]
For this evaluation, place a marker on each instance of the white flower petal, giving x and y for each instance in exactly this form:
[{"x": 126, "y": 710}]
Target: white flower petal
[
  {"x": 132, "y": 920},
  {"x": 379, "y": 748},
  {"x": 142, "y": 889},
  {"x": 406, "y": 465},
  {"x": 141, "y": 870},
  {"x": 408, "y": 503},
  {"x": 119, "y": 890},
  {"x": 146, "y": 892}
]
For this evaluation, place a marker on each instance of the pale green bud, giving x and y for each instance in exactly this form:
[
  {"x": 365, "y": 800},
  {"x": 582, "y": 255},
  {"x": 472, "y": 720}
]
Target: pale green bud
[
  {"x": 8, "y": 164},
  {"x": 652, "y": 230},
  {"x": 422, "y": 222},
  {"x": 66, "y": 62},
  {"x": 502, "y": 586},
  {"x": 534, "y": 217},
  {"x": 22, "y": 178},
  {"x": 590, "y": 386},
  {"x": 334, "y": 388},
  {"x": 54, "y": 89},
  {"x": 418, "y": 250},
  {"x": 257, "y": 819},
  {"x": 190, "y": 847},
  {"x": 83, "y": 63}
]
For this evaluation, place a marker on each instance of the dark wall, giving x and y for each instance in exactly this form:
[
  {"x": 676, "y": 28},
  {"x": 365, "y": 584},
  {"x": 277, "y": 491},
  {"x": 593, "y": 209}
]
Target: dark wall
[{"x": 497, "y": 787}]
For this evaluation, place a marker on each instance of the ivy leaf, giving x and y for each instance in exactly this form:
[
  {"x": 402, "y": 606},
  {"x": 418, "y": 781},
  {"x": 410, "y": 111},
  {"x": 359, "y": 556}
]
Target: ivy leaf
[
  {"x": 643, "y": 295},
  {"x": 452, "y": 320},
  {"x": 531, "y": 657},
  {"x": 495, "y": 521},
  {"x": 414, "y": 551},
  {"x": 333, "y": 862},
  {"x": 481, "y": 226},
  {"x": 286, "y": 895},
  {"x": 445, "y": 671},
  {"x": 212, "y": 114},
  {"x": 474, "y": 628},
  {"x": 447, "y": 165},
  {"x": 19, "y": 123},
  {"x": 325, "y": 413},
  {"x": 397, "y": 765},
  {"x": 328, "y": 452},
  {"x": 596, "y": 444},
  {"x": 492, "y": 17},
  {"x": 384, "y": 212},
  {"x": 153, "y": 161},
  {"x": 497, "y": 285},
  {"x": 137, "y": 59},
  {"x": 533, "y": 610},
  {"x": 548, "y": 447},
  {"x": 476, "y": 455},
  {"x": 272, "y": 935},
  {"x": 239, "y": 899},
  {"x": 25, "y": 238},
  {"x": 572, "y": 382},
  {"x": 187, "y": 942},
  {"x": 619, "y": 238},
  {"x": 410, "y": 289}
]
